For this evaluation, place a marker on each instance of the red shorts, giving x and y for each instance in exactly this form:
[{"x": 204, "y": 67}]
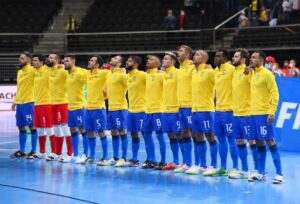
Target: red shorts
[
  {"x": 43, "y": 116},
  {"x": 60, "y": 113}
]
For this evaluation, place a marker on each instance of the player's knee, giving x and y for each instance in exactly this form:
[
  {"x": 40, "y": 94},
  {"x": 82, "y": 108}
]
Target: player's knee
[
  {"x": 134, "y": 134},
  {"x": 101, "y": 134},
  {"x": 252, "y": 142},
  {"x": 49, "y": 131},
  {"x": 41, "y": 131},
  {"x": 122, "y": 132},
  {"x": 33, "y": 131},
  {"x": 260, "y": 143},
  {"x": 210, "y": 137},
  {"x": 65, "y": 130},
  {"x": 57, "y": 131},
  {"x": 271, "y": 142},
  {"x": 240, "y": 141}
]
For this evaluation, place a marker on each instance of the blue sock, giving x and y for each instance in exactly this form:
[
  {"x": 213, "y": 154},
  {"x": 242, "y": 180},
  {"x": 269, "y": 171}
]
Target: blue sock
[
  {"x": 146, "y": 148},
  {"x": 22, "y": 140},
  {"x": 253, "y": 148},
  {"x": 116, "y": 144},
  {"x": 124, "y": 141},
  {"x": 85, "y": 141},
  {"x": 262, "y": 156},
  {"x": 162, "y": 146},
  {"x": 233, "y": 152},
  {"x": 92, "y": 145},
  {"x": 243, "y": 153},
  {"x": 223, "y": 151},
  {"x": 175, "y": 150},
  {"x": 196, "y": 154},
  {"x": 188, "y": 150},
  {"x": 104, "y": 144},
  {"x": 75, "y": 138},
  {"x": 34, "y": 139},
  {"x": 276, "y": 159},
  {"x": 151, "y": 146},
  {"x": 213, "y": 146},
  {"x": 182, "y": 149},
  {"x": 202, "y": 153},
  {"x": 135, "y": 147}
]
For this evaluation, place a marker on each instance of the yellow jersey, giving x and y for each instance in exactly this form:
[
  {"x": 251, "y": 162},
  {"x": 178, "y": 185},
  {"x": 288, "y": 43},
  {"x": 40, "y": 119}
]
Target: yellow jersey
[
  {"x": 184, "y": 84},
  {"x": 116, "y": 90},
  {"x": 154, "y": 91},
  {"x": 75, "y": 88},
  {"x": 25, "y": 83},
  {"x": 41, "y": 86},
  {"x": 264, "y": 92},
  {"x": 203, "y": 89},
  {"x": 96, "y": 83},
  {"x": 136, "y": 83},
  {"x": 58, "y": 85},
  {"x": 171, "y": 102},
  {"x": 224, "y": 75},
  {"x": 241, "y": 92}
]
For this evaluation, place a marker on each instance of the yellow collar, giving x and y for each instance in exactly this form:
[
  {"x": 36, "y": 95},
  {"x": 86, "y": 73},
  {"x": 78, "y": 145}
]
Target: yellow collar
[
  {"x": 26, "y": 67},
  {"x": 170, "y": 69},
  {"x": 241, "y": 67},
  {"x": 134, "y": 71},
  {"x": 152, "y": 70}
]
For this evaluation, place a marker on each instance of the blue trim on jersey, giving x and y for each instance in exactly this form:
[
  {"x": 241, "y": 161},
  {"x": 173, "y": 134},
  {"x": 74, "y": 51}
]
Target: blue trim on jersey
[
  {"x": 152, "y": 122},
  {"x": 96, "y": 120},
  {"x": 185, "y": 118},
  {"x": 117, "y": 120},
  {"x": 203, "y": 122},
  {"x": 135, "y": 121},
  {"x": 260, "y": 129},
  {"x": 223, "y": 124},
  {"x": 24, "y": 114},
  {"x": 76, "y": 118},
  {"x": 171, "y": 123}
]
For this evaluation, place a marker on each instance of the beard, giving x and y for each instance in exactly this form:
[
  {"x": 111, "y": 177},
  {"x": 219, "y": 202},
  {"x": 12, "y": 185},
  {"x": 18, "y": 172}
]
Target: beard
[
  {"x": 49, "y": 64},
  {"x": 22, "y": 65},
  {"x": 129, "y": 67}
]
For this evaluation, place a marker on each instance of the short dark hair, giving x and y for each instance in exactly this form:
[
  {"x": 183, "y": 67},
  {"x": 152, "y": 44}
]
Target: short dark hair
[
  {"x": 27, "y": 54},
  {"x": 225, "y": 53},
  {"x": 188, "y": 48},
  {"x": 40, "y": 57},
  {"x": 262, "y": 55},
  {"x": 172, "y": 55},
  {"x": 244, "y": 53},
  {"x": 73, "y": 57},
  {"x": 136, "y": 59},
  {"x": 99, "y": 60}
]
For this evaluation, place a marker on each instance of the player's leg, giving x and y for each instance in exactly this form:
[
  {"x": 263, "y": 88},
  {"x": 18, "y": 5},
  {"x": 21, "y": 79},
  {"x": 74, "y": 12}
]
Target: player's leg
[
  {"x": 231, "y": 139},
  {"x": 121, "y": 121}
]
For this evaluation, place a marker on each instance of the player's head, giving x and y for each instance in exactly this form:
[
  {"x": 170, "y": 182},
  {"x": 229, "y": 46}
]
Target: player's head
[
  {"x": 184, "y": 53},
  {"x": 200, "y": 57},
  {"x": 240, "y": 56},
  {"x": 38, "y": 60},
  {"x": 24, "y": 59},
  {"x": 153, "y": 62},
  {"x": 169, "y": 59},
  {"x": 53, "y": 59},
  {"x": 221, "y": 57},
  {"x": 116, "y": 61},
  {"x": 133, "y": 62},
  {"x": 257, "y": 59},
  {"x": 69, "y": 61},
  {"x": 95, "y": 62}
]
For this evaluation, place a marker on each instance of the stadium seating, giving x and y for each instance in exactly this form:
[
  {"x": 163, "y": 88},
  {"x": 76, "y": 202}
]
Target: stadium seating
[{"x": 30, "y": 16}]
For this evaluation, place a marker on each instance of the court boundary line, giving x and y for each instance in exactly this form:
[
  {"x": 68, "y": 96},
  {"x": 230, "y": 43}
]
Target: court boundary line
[{"x": 48, "y": 193}]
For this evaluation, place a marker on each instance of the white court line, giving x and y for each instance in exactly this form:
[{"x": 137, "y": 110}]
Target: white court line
[{"x": 11, "y": 142}]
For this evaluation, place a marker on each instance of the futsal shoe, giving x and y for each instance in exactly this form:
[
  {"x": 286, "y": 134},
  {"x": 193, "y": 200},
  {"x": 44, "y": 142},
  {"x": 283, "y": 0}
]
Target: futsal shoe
[
  {"x": 215, "y": 172},
  {"x": 160, "y": 166},
  {"x": 32, "y": 155},
  {"x": 148, "y": 165},
  {"x": 109, "y": 162},
  {"x": 255, "y": 176},
  {"x": 132, "y": 163},
  {"x": 81, "y": 160},
  {"x": 278, "y": 179},
  {"x": 170, "y": 166},
  {"x": 120, "y": 163},
  {"x": 238, "y": 174},
  {"x": 18, "y": 154},
  {"x": 66, "y": 159},
  {"x": 51, "y": 157},
  {"x": 193, "y": 170},
  {"x": 182, "y": 168}
]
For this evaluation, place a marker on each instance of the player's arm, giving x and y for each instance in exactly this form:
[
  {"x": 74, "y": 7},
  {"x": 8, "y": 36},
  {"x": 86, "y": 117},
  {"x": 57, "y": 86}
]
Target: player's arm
[{"x": 272, "y": 87}]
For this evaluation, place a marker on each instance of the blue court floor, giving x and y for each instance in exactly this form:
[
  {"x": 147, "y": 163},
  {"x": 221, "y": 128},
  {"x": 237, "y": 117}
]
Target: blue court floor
[{"x": 38, "y": 181}]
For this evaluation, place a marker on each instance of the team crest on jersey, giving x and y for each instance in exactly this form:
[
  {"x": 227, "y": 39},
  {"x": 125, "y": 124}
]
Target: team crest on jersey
[
  {"x": 115, "y": 76},
  {"x": 224, "y": 72},
  {"x": 240, "y": 76},
  {"x": 186, "y": 69},
  {"x": 257, "y": 77},
  {"x": 134, "y": 78},
  {"x": 171, "y": 75},
  {"x": 41, "y": 73},
  {"x": 201, "y": 74},
  {"x": 72, "y": 76},
  {"x": 153, "y": 78},
  {"x": 54, "y": 73}
]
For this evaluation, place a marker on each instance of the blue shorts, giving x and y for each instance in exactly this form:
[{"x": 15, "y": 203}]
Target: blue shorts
[
  {"x": 260, "y": 129},
  {"x": 135, "y": 121},
  {"x": 223, "y": 124},
  {"x": 24, "y": 114},
  {"x": 96, "y": 120},
  {"x": 171, "y": 123},
  {"x": 203, "y": 122},
  {"x": 241, "y": 127},
  {"x": 76, "y": 118},
  {"x": 152, "y": 122},
  {"x": 117, "y": 120},
  {"x": 185, "y": 118}
]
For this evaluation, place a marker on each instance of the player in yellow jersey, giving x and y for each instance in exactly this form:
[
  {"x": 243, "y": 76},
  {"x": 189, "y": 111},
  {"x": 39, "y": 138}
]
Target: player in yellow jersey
[
  {"x": 241, "y": 110},
  {"x": 96, "y": 119},
  {"x": 23, "y": 105},
  {"x": 224, "y": 113},
  {"x": 117, "y": 115},
  {"x": 264, "y": 102},
  {"x": 184, "y": 56},
  {"x": 154, "y": 109},
  {"x": 171, "y": 118},
  {"x": 59, "y": 102},
  {"x": 76, "y": 102},
  {"x": 203, "y": 108},
  {"x": 136, "y": 83}
]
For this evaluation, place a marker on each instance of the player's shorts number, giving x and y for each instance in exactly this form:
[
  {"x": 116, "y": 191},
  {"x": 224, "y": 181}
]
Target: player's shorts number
[
  {"x": 29, "y": 117},
  {"x": 189, "y": 118},
  {"x": 206, "y": 124},
  {"x": 229, "y": 127},
  {"x": 98, "y": 122},
  {"x": 118, "y": 122},
  {"x": 158, "y": 122},
  {"x": 263, "y": 130}
]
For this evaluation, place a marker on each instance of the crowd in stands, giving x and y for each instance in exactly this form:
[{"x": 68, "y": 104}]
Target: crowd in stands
[{"x": 289, "y": 68}]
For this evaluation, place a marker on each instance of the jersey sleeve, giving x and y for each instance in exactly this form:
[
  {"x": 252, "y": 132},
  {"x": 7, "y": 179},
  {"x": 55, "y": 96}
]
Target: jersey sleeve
[{"x": 272, "y": 87}]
